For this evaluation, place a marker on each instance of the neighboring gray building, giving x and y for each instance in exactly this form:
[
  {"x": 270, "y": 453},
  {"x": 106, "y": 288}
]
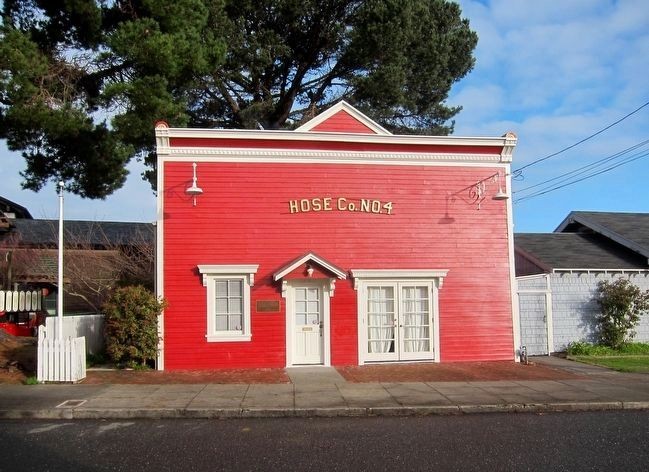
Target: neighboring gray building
[{"x": 558, "y": 272}]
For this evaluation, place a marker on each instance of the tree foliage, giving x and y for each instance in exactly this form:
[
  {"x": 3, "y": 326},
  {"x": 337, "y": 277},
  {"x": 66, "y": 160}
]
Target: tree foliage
[
  {"x": 621, "y": 304},
  {"x": 131, "y": 317},
  {"x": 83, "y": 81}
]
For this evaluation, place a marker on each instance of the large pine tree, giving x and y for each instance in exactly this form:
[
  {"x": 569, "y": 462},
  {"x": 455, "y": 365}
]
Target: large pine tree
[{"x": 83, "y": 81}]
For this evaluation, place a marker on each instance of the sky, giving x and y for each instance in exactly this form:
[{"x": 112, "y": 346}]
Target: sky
[{"x": 554, "y": 73}]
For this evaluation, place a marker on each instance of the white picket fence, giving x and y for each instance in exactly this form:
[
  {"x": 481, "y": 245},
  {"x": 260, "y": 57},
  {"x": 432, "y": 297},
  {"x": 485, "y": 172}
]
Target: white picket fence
[
  {"x": 20, "y": 300},
  {"x": 60, "y": 361},
  {"x": 89, "y": 326}
]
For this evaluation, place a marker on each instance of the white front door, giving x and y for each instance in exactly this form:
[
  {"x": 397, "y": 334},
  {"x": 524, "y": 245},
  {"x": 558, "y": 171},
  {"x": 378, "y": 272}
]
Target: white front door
[
  {"x": 308, "y": 330},
  {"x": 399, "y": 321}
]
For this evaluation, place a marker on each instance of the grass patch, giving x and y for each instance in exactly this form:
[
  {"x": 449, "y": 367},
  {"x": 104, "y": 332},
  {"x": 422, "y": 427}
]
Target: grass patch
[
  {"x": 622, "y": 363},
  {"x": 588, "y": 349},
  {"x": 630, "y": 357}
]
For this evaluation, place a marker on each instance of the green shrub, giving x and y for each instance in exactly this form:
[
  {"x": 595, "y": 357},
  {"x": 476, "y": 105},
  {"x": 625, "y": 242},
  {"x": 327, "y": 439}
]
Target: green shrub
[
  {"x": 95, "y": 359},
  {"x": 578, "y": 348},
  {"x": 581, "y": 348},
  {"x": 131, "y": 325},
  {"x": 621, "y": 304}
]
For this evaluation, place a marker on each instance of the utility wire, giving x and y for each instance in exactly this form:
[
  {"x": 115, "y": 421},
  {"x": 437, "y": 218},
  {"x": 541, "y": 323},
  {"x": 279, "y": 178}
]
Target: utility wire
[
  {"x": 520, "y": 169},
  {"x": 557, "y": 187},
  {"x": 584, "y": 169}
]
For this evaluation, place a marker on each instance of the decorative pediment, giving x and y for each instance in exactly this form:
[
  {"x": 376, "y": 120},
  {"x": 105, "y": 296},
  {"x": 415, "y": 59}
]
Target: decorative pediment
[
  {"x": 310, "y": 260},
  {"x": 343, "y": 118},
  {"x": 310, "y": 267}
]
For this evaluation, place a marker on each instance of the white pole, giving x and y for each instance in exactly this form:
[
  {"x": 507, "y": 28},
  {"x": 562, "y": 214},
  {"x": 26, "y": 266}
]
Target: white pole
[{"x": 59, "y": 298}]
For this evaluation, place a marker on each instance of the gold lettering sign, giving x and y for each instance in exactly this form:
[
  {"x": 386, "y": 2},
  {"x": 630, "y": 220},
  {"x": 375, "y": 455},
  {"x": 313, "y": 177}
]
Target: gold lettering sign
[{"x": 364, "y": 205}]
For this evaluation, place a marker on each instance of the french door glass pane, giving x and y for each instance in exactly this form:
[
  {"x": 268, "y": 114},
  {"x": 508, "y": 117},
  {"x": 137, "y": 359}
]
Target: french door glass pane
[
  {"x": 415, "y": 318},
  {"x": 380, "y": 319}
]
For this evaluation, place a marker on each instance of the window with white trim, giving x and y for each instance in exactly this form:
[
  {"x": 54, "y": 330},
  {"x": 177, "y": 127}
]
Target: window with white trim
[{"x": 228, "y": 301}]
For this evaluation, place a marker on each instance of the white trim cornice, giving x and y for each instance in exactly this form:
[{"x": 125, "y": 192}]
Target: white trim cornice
[
  {"x": 284, "y": 135},
  {"x": 300, "y": 156},
  {"x": 386, "y": 274},
  {"x": 225, "y": 269}
]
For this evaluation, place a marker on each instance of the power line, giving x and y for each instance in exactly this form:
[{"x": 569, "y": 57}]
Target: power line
[
  {"x": 584, "y": 169},
  {"x": 557, "y": 187},
  {"x": 519, "y": 170}
]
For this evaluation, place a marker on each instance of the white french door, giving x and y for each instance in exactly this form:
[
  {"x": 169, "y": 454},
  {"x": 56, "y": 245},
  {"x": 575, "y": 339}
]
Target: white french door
[{"x": 398, "y": 319}]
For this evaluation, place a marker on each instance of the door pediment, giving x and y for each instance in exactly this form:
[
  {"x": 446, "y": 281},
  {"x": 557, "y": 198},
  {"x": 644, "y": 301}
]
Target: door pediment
[
  {"x": 299, "y": 268},
  {"x": 310, "y": 267}
]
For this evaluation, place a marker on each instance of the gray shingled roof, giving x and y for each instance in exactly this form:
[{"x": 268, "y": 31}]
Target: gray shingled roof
[
  {"x": 7, "y": 206},
  {"x": 91, "y": 233},
  {"x": 578, "y": 251},
  {"x": 628, "y": 229}
]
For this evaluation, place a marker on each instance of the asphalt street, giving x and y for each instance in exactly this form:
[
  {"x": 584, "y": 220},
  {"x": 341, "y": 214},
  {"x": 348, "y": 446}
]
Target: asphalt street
[{"x": 608, "y": 440}]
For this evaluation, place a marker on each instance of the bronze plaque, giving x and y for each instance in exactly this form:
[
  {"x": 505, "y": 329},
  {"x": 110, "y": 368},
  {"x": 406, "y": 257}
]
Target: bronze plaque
[{"x": 267, "y": 306}]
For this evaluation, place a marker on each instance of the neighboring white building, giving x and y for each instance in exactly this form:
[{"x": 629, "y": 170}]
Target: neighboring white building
[{"x": 558, "y": 273}]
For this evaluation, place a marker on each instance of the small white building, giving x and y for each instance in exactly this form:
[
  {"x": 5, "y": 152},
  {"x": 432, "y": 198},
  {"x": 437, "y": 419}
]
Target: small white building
[{"x": 558, "y": 273}]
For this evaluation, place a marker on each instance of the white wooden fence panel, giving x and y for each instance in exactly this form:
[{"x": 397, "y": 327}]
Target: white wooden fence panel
[
  {"x": 60, "y": 360},
  {"x": 89, "y": 326}
]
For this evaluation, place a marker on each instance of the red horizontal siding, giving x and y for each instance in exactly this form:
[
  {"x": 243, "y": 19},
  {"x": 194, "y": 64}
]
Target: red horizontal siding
[{"x": 243, "y": 217}]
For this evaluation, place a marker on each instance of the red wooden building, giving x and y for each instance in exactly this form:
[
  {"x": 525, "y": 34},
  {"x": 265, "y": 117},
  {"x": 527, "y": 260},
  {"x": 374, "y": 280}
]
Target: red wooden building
[{"x": 336, "y": 244}]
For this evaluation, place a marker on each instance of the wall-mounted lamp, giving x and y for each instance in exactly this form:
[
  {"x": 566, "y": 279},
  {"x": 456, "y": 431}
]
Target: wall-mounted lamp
[
  {"x": 194, "y": 190},
  {"x": 309, "y": 270},
  {"x": 476, "y": 193},
  {"x": 500, "y": 194}
]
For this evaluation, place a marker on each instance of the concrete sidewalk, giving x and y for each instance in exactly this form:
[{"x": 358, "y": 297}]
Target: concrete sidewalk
[{"x": 323, "y": 392}]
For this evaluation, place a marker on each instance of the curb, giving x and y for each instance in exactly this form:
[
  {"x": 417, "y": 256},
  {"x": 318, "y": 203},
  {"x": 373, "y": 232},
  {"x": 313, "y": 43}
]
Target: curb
[{"x": 356, "y": 412}]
